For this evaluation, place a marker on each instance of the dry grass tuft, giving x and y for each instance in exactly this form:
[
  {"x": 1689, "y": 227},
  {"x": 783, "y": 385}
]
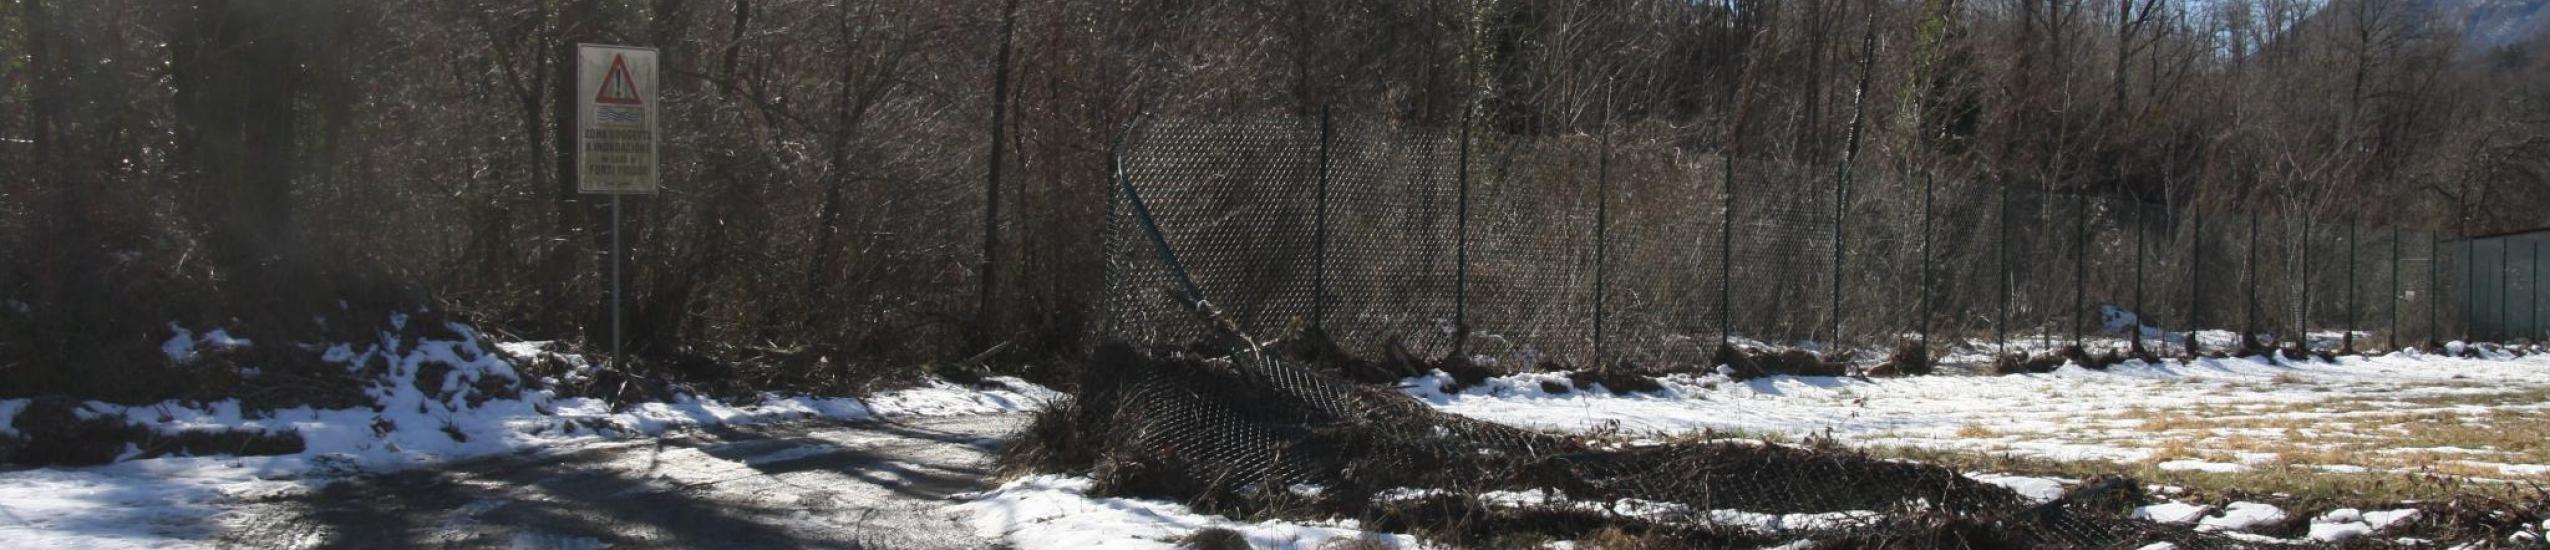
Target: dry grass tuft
[
  {"x": 1613, "y": 538},
  {"x": 1215, "y": 538},
  {"x": 2174, "y": 449},
  {"x": 2167, "y": 422},
  {"x": 1911, "y": 358}
]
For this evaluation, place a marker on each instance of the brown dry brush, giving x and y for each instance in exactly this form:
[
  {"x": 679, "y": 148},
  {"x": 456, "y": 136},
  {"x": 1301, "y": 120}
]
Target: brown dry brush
[
  {"x": 52, "y": 432},
  {"x": 2482, "y": 518},
  {"x": 1314, "y": 347},
  {"x": 1911, "y": 358},
  {"x": 1748, "y": 362},
  {"x": 289, "y": 372},
  {"x": 2478, "y": 515},
  {"x": 1239, "y": 435},
  {"x": 292, "y": 371},
  {"x": 1622, "y": 379},
  {"x": 2041, "y": 363},
  {"x": 2146, "y": 355},
  {"x": 2081, "y": 356}
]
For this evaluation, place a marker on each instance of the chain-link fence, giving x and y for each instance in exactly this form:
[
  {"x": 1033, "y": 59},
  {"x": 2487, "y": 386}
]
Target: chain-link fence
[
  {"x": 1578, "y": 250},
  {"x": 1257, "y": 435}
]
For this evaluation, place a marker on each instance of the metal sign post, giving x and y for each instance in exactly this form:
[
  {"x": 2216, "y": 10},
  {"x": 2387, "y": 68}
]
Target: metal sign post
[{"x": 616, "y": 140}]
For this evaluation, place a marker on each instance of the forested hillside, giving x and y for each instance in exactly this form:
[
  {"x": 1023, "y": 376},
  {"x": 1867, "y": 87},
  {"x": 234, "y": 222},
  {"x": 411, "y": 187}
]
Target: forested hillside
[{"x": 855, "y": 188}]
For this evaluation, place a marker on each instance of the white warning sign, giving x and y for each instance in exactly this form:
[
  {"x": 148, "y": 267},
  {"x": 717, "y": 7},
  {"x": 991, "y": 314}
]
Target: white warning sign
[{"x": 615, "y": 119}]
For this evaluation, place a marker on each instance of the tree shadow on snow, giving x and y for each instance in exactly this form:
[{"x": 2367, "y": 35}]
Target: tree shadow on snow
[{"x": 617, "y": 496}]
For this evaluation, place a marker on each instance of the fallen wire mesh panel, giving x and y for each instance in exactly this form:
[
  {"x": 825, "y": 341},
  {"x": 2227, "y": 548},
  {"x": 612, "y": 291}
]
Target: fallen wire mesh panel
[{"x": 1254, "y": 435}]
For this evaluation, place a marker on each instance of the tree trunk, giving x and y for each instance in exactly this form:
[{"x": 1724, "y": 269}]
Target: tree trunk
[
  {"x": 988, "y": 271},
  {"x": 53, "y": 187},
  {"x": 1811, "y": 96},
  {"x": 234, "y": 69},
  {"x": 260, "y": 205},
  {"x": 571, "y": 227}
]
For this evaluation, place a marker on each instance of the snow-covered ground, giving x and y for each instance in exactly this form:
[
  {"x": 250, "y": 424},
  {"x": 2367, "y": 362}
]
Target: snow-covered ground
[
  {"x": 163, "y": 501},
  {"x": 2227, "y": 414},
  {"x": 2116, "y": 326},
  {"x": 1056, "y": 512},
  {"x": 2403, "y": 412}
]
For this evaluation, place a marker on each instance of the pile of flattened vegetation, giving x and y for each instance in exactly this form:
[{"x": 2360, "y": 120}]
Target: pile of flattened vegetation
[
  {"x": 422, "y": 367},
  {"x": 2289, "y": 352},
  {"x": 1314, "y": 349},
  {"x": 1254, "y": 436},
  {"x": 250, "y": 374}
]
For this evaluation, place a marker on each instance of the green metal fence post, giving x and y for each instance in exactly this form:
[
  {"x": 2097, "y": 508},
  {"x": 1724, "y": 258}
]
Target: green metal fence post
[
  {"x": 2395, "y": 300},
  {"x": 1319, "y": 279},
  {"x": 2001, "y": 235},
  {"x": 2434, "y": 290},
  {"x": 2136, "y": 223},
  {"x": 2195, "y": 276},
  {"x": 2249, "y": 305},
  {"x": 2505, "y": 296},
  {"x": 1461, "y": 246},
  {"x": 2080, "y": 261},
  {"x": 1602, "y": 236},
  {"x": 1841, "y": 210},
  {"x": 2348, "y": 342},
  {"x": 2301, "y": 274},
  {"x": 1726, "y": 253},
  {"x": 1928, "y": 180},
  {"x": 2469, "y": 283}
]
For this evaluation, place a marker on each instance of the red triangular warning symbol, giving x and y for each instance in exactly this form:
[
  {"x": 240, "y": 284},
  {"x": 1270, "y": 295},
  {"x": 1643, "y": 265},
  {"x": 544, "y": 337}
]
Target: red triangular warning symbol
[{"x": 617, "y": 87}]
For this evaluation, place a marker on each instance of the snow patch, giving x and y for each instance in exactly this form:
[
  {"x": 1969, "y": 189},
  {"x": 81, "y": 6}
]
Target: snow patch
[
  {"x": 481, "y": 406},
  {"x": 9, "y": 409},
  {"x": 2035, "y": 489},
  {"x": 1781, "y": 523},
  {"x": 2384, "y": 519},
  {"x": 1051, "y": 511},
  {"x": 2203, "y": 466},
  {"x": 2242, "y": 516},
  {"x": 2068, "y": 415},
  {"x": 182, "y": 344},
  {"x": 2333, "y": 532},
  {"x": 2511, "y": 469},
  {"x": 2172, "y": 512}
]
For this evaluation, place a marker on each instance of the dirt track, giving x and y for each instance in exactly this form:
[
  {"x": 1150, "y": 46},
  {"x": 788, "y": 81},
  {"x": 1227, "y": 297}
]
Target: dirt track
[{"x": 824, "y": 485}]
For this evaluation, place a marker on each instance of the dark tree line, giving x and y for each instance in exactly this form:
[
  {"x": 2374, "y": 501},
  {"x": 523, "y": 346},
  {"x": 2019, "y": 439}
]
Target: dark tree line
[{"x": 286, "y": 167}]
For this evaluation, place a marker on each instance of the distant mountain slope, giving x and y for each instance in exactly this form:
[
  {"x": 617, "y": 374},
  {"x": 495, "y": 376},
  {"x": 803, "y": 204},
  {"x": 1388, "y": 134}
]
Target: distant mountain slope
[{"x": 2489, "y": 24}]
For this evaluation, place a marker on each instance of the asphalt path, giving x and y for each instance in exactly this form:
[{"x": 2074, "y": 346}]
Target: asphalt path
[{"x": 804, "y": 485}]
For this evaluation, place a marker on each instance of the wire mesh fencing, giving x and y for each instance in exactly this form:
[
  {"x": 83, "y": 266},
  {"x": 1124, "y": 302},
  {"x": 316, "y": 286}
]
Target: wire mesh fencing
[
  {"x": 1567, "y": 251},
  {"x": 1258, "y": 435},
  {"x": 1242, "y": 222},
  {"x": 1529, "y": 264},
  {"x": 1391, "y": 212}
]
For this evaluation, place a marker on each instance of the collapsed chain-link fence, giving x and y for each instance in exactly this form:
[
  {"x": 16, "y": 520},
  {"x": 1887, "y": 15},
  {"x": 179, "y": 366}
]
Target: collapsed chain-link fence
[
  {"x": 1253, "y": 434},
  {"x": 1583, "y": 250}
]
